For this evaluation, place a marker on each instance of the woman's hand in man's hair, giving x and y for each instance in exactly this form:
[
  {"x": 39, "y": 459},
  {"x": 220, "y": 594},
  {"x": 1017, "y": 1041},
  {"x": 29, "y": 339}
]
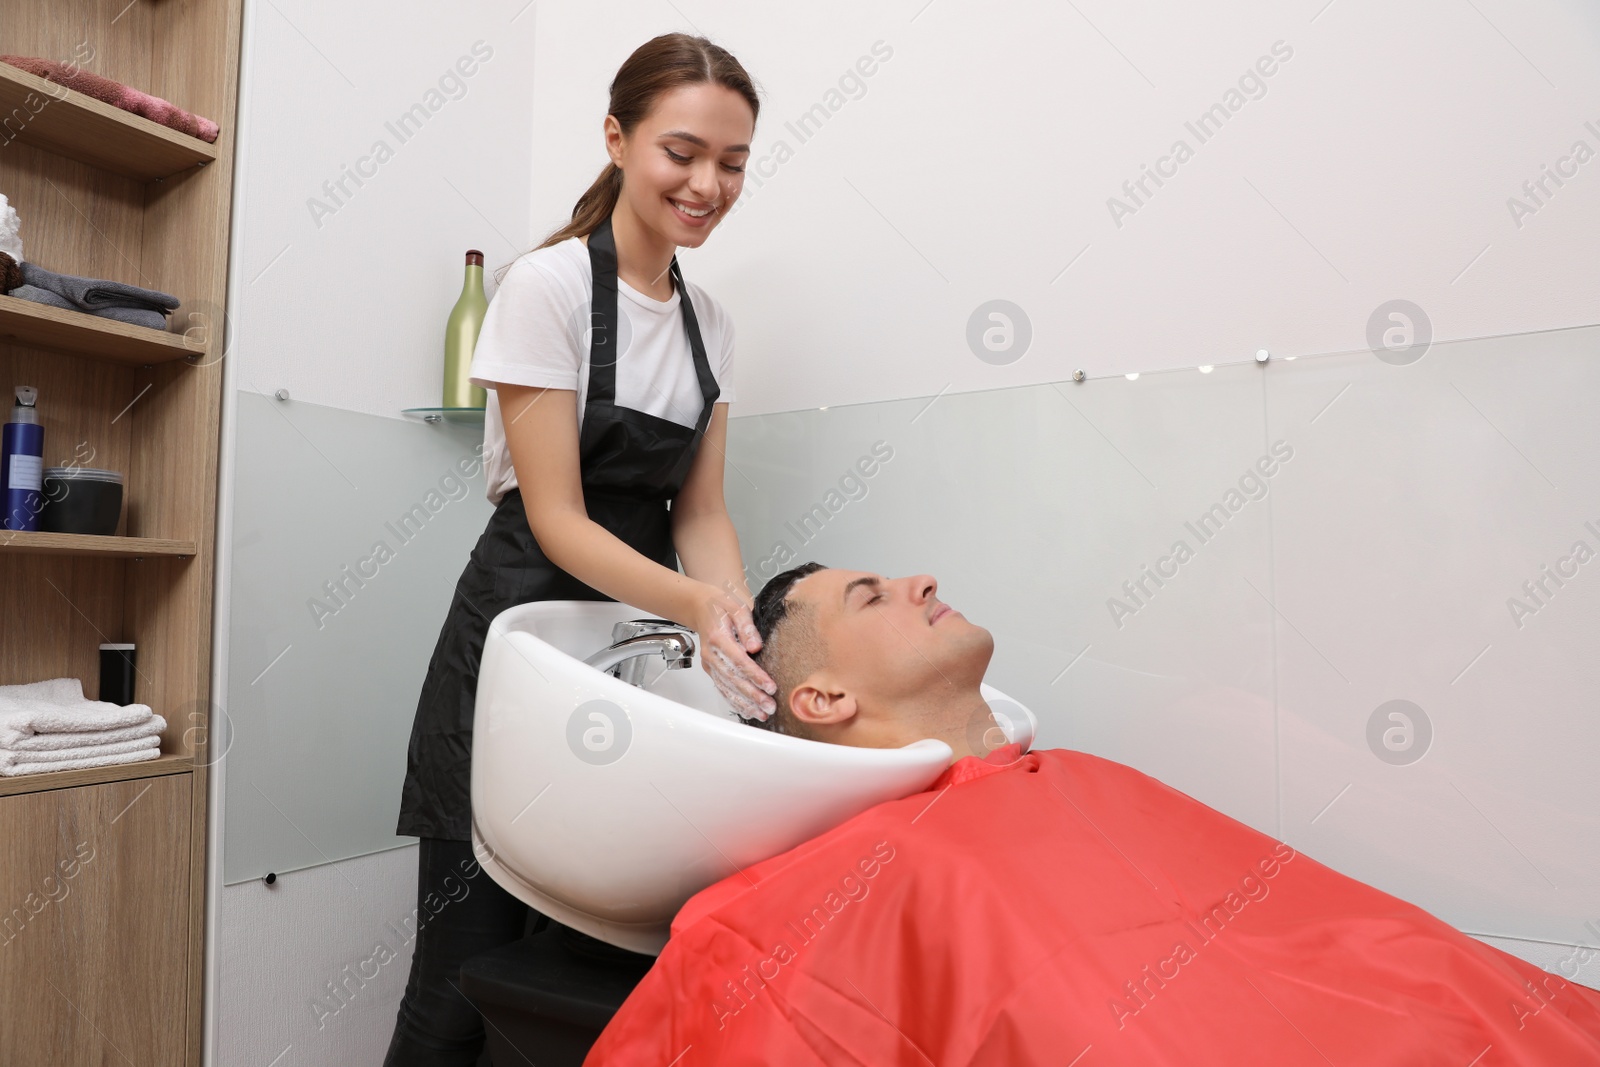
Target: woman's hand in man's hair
[{"x": 727, "y": 637}]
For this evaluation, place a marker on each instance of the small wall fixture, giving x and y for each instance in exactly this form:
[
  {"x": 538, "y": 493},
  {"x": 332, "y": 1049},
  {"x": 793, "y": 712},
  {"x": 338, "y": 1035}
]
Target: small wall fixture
[{"x": 434, "y": 416}]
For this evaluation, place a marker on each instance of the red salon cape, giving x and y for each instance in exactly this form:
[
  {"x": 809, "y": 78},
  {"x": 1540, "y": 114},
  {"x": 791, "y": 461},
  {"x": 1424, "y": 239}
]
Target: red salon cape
[{"x": 1058, "y": 908}]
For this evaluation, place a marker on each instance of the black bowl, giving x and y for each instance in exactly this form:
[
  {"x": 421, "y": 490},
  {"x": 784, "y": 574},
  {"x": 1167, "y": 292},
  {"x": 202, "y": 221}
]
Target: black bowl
[{"x": 81, "y": 500}]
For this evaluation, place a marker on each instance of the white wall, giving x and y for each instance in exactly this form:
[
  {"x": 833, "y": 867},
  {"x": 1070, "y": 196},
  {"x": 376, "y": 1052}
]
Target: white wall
[
  {"x": 344, "y": 293},
  {"x": 973, "y": 164},
  {"x": 311, "y": 968},
  {"x": 976, "y": 164},
  {"x": 340, "y": 299}
]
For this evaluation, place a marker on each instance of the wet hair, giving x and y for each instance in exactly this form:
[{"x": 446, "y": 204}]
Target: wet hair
[
  {"x": 791, "y": 646},
  {"x": 658, "y": 66}
]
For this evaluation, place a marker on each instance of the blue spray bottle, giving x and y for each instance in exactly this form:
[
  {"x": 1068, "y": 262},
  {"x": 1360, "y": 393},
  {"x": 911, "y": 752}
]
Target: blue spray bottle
[{"x": 22, "y": 464}]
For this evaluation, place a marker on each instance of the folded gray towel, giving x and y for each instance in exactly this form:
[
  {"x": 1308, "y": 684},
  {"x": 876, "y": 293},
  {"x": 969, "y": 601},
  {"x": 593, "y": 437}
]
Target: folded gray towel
[
  {"x": 134, "y": 316},
  {"x": 91, "y": 294},
  {"x": 43, "y": 296},
  {"x": 156, "y": 320}
]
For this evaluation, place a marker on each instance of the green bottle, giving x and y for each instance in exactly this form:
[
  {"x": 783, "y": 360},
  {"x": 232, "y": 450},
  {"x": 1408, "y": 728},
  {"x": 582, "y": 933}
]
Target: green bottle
[{"x": 461, "y": 336}]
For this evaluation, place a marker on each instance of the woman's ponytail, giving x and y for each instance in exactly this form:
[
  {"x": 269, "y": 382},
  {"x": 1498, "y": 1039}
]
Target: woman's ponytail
[{"x": 593, "y": 207}]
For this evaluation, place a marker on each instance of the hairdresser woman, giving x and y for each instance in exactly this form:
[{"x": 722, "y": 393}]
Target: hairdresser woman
[{"x": 611, "y": 381}]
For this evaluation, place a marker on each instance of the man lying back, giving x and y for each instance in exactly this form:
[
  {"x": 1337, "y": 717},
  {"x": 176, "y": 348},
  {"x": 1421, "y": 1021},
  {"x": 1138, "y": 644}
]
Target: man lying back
[
  {"x": 865, "y": 661},
  {"x": 1047, "y": 907}
]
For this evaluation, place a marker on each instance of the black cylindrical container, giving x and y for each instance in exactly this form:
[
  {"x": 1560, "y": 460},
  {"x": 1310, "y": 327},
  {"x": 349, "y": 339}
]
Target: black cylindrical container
[
  {"x": 81, "y": 500},
  {"x": 116, "y": 673}
]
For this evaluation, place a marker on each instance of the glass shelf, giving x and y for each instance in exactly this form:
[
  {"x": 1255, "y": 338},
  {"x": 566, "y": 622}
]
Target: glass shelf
[{"x": 461, "y": 416}]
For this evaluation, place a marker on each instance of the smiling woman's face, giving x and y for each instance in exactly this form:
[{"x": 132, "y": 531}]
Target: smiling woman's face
[
  {"x": 691, "y": 151},
  {"x": 890, "y": 639}
]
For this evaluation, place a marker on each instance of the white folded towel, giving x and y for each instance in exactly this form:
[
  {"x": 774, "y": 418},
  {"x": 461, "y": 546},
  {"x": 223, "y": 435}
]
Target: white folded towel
[
  {"x": 55, "y": 690},
  {"x": 17, "y": 769},
  {"x": 57, "y": 706},
  {"x": 10, "y": 756},
  {"x": 25, "y": 742}
]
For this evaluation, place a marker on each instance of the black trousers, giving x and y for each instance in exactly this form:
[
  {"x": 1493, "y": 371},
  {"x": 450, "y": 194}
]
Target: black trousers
[{"x": 461, "y": 912}]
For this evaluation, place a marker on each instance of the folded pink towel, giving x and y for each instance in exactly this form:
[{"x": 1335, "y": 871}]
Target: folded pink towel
[{"x": 117, "y": 95}]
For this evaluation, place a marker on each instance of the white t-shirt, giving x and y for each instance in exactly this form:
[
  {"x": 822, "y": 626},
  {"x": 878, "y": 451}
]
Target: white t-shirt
[{"x": 535, "y": 333}]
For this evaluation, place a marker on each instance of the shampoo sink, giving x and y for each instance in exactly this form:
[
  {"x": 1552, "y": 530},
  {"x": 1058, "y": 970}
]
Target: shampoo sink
[{"x": 606, "y": 806}]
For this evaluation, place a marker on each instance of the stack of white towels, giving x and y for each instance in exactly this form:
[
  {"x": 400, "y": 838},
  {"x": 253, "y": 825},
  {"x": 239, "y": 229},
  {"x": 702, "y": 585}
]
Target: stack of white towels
[{"x": 50, "y": 726}]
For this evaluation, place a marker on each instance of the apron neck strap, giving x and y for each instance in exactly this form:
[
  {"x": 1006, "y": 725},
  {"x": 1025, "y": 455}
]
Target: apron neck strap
[
  {"x": 604, "y": 335},
  {"x": 702, "y": 365}
]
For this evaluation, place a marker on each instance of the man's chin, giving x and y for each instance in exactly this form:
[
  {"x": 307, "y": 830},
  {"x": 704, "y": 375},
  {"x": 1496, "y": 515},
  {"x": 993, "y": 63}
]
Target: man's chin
[
  {"x": 966, "y": 662},
  {"x": 980, "y": 640}
]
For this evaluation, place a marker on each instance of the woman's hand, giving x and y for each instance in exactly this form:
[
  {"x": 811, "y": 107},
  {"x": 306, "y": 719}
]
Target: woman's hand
[{"x": 727, "y": 637}]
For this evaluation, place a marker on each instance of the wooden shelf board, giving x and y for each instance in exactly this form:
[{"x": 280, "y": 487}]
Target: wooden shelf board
[
  {"x": 83, "y": 334},
  {"x": 69, "y": 544},
  {"x": 167, "y": 763},
  {"x": 82, "y": 128}
]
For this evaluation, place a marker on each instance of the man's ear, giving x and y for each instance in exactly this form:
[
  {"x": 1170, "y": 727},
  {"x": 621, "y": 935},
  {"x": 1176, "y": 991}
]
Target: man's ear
[{"x": 815, "y": 703}]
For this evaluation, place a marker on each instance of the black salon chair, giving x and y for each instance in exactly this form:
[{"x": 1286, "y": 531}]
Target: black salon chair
[{"x": 545, "y": 999}]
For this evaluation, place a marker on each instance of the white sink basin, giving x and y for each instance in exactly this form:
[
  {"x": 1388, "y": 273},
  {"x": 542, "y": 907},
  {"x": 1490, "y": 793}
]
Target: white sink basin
[{"x": 607, "y": 806}]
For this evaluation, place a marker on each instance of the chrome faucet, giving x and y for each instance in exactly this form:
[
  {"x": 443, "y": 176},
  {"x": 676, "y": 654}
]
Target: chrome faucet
[{"x": 632, "y": 643}]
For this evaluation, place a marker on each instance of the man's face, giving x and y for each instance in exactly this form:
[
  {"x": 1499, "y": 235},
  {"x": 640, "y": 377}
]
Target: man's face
[{"x": 888, "y": 639}]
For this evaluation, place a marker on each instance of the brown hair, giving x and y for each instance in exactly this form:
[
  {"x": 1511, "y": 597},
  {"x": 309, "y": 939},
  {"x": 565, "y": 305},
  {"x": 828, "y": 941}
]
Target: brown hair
[{"x": 659, "y": 65}]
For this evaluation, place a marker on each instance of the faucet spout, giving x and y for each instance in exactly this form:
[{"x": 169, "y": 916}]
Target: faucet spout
[{"x": 634, "y": 643}]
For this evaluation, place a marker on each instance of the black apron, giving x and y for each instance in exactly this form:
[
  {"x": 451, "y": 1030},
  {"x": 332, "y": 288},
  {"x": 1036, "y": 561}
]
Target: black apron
[{"x": 632, "y": 464}]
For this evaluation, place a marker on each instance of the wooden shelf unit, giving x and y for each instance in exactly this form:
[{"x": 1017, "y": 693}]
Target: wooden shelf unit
[
  {"x": 106, "y": 194},
  {"x": 80, "y": 127},
  {"x": 66, "y": 544},
  {"x": 166, "y": 763},
  {"x": 80, "y": 334}
]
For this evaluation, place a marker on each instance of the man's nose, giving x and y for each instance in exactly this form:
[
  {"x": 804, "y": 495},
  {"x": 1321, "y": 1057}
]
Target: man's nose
[{"x": 922, "y": 587}]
